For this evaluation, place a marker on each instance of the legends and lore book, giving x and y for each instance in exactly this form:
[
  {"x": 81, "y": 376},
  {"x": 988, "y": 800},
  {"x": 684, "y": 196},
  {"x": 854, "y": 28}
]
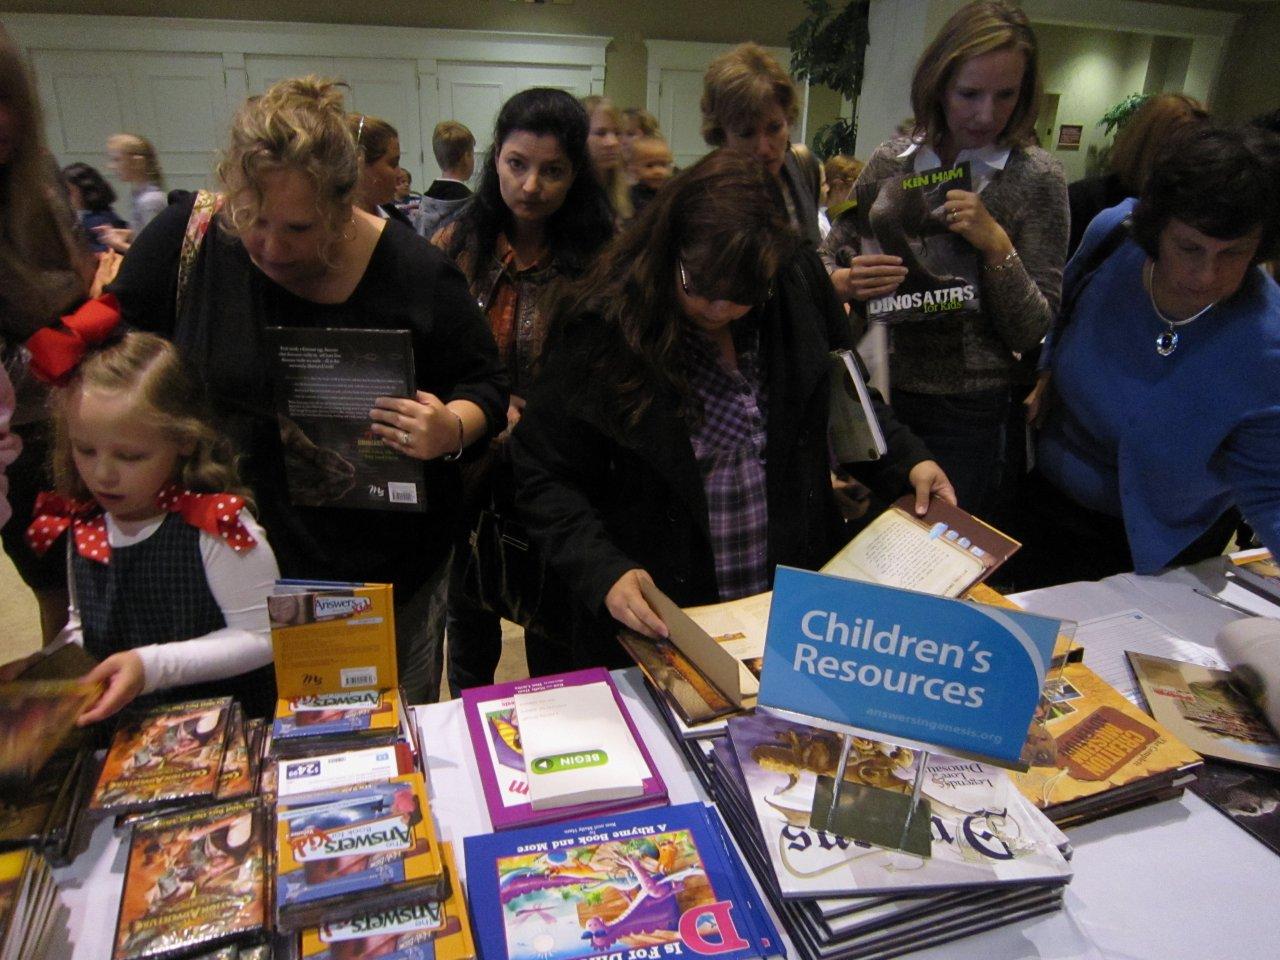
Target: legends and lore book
[
  {"x": 983, "y": 834},
  {"x": 945, "y": 552},
  {"x": 1092, "y": 752},
  {"x": 1204, "y": 709},
  {"x": 331, "y": 637},
  {"x": 661, "y": 879},
  {"x": 326, "y": 381},
  {"x": 495, "y": 741},
  {"x": 348, "y": 852},
  {"x": 424, "y": 930},
  {"x": 164, "y": 756},
  {"x": 194, "y": 880},
  {"x": 904, "y": 216}
]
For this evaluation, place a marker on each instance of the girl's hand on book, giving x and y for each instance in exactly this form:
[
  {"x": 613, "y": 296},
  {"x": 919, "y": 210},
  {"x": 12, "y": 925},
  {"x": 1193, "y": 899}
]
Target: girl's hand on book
[
  {"x": 626, "y": 603},
  {"x": 869, "y": 275},
  {"x": 123, "y": 675},
  {"x": 968, "y": 216}
]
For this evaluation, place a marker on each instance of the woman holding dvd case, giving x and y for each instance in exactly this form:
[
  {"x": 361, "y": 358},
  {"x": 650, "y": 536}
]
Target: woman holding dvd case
[{"x": 975, "y": 95}]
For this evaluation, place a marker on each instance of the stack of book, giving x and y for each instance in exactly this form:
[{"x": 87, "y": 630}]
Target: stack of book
[
  {"x": 994, "y": 860},
  {"x": 195, "y": 881},
  {"x": 1092, "y": 753},
  {"x": 439, "y": 930},
  {"x": 558, "y": 747},
  {"x": 45, "y": 814},
  {"x": 167, "y": 757},
  {"x": 351, "y": 851},
  {"x": 655, "y": 883},
  {"x": 335, "y": 722},
  {"x": 28, "y": 895}
]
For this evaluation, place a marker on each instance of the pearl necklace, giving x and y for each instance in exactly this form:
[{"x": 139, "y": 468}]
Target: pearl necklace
[{"x": 1167, "y": 340}]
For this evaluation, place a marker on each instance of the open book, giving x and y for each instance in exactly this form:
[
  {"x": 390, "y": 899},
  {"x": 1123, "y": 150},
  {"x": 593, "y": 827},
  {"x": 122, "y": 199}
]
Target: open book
[{"x": 709, "y": 667}]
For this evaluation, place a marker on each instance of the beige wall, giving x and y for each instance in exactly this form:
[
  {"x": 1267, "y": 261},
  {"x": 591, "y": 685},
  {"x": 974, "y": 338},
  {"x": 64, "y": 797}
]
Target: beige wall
[
  {"x": 1090, "y": 70},
  {"x": 625, "y": 21},
  {"x": 1250, "y": 81}
]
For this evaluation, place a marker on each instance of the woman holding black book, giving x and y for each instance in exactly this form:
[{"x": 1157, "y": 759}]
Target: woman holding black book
[
  {"x": 678, "y": 432},
  {"x": 975, "y": 95},
  {"x": 288, "y": 247}
]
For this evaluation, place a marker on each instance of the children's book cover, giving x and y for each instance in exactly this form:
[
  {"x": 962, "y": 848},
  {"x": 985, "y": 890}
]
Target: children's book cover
[
  {"x": 326, "y": 380},
  {"x": 904, "y": 216},
  {"x": 981, "y": 835},
  {"x": 421, "y": 930},
  {"x": 332, "y": 637},
  {"x": 1250, "y": 797},
  {"x": 1206, "y": 710},
  {"x": 360, "y": 713},
  {"x": 495, "y": 740},
  {"x": 349, "y": 851},
  {"x": 162, "y": 755},
  {"x": 653, "y": 881},
  {"x": 193, "y": 880},
  {"x": 1089, "y": 747}
]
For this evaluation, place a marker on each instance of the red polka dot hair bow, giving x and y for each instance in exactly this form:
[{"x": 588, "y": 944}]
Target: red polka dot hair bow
[
  {"x": 55, "y": 513},
  {"x": 57, "y": 351},
  {"x": 214, "y": 513}
]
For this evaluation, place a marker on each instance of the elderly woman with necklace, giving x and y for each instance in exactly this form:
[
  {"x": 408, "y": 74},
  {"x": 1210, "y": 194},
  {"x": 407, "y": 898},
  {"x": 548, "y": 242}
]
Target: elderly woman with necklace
[{"x": 1163, "y": 417}]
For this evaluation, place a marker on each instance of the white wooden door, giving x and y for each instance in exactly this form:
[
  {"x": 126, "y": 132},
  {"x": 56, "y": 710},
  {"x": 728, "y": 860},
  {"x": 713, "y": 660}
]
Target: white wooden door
[
  {"x": 177, "y": 101},
  {"x": 473, "y": 93}
]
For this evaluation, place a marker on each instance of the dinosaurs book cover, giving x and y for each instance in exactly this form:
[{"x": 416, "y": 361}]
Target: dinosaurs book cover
[
  {"x": 650, "y": 884},
  {"x": 982, "y": 833},
  {"x": 326, "y": 380},
  {"x": 495, "y": 742},
  {"x": 903, "y": 216}
]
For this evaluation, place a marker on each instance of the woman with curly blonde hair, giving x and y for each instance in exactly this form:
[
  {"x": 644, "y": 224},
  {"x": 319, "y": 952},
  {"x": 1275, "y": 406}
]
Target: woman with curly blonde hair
[
  {"x": 290, "y": 248},
  {"x": 604, "y": 146}
]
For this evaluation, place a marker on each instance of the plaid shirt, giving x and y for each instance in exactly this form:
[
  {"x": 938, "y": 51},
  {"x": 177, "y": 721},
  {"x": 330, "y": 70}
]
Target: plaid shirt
[{"x": 729, "y": 446}]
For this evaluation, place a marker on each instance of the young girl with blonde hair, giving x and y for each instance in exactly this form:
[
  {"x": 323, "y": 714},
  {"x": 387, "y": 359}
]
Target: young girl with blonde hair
[
  {"x": 604, "y": 146},
  {"x": 168, "y": 570}
]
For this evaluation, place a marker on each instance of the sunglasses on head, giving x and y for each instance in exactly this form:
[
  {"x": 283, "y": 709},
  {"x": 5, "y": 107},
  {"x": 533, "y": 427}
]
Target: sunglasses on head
[{"x": 689, "y": 291}]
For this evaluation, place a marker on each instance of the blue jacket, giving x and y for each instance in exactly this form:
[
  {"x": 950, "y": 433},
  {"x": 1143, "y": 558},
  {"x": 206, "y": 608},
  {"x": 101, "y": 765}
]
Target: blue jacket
[{"x": 1168, "y": 443}]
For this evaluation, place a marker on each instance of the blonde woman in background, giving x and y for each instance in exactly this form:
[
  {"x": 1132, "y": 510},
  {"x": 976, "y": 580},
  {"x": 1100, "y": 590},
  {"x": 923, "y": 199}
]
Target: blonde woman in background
[
  {"x": 604, "y": 146},
  {"x": 133, "y": 159},
  {"x": 748, "y": 105}
]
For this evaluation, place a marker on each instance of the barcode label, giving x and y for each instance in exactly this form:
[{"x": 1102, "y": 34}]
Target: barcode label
[
  {"x": 359, "y": 677},
  {"x": 399, "y": 492}
]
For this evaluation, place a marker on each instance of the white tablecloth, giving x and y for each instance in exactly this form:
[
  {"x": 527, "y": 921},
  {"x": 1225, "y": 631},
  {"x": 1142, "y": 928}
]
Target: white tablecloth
[{"x": 1173, "y": 880}]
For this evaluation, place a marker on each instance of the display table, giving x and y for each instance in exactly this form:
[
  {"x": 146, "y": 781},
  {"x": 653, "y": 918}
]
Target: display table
[{"x": 1176, "y": 879}]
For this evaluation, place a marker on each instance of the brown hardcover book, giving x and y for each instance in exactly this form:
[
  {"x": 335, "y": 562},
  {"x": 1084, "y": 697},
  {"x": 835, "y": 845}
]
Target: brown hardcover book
[
  {"x": 1091, "y": 750},
  {"x": 36, "y": 719}
]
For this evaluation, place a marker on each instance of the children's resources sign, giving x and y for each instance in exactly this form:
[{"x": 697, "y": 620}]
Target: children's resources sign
[{"x": 961, "y": 677}]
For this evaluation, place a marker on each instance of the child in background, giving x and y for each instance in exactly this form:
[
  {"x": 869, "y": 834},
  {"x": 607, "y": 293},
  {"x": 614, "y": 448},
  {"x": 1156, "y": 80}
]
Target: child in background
[
  {"x": 168, "y": 572},
  {"x": 651, "y": 166}
]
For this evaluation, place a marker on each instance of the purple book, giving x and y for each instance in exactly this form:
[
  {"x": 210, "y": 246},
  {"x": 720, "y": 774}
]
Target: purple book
[{"x": 495, "y": 742}]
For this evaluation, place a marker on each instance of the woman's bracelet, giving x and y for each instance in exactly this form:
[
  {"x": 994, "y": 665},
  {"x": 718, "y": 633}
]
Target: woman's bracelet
[
  {"x": 1007, "y": 262},
  {"x": 450, "y": 457}
]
